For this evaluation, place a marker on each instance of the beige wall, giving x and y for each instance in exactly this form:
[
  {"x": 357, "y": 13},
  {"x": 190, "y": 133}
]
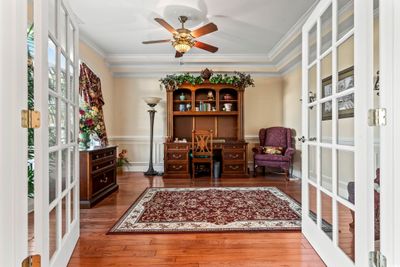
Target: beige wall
[
  {"x": 291, "y": 95},
  {"x": 97, "y": 64}
]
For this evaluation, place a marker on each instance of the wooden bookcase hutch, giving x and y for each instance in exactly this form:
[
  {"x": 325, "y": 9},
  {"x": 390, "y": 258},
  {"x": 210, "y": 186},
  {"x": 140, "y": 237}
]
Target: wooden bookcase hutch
[{"x": 192, "y": 107}]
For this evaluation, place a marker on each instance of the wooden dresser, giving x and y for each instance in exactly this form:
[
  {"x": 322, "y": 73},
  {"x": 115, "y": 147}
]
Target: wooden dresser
[
  {"x": 206, "y": 106},
  {"x": 98, "y": 175}
]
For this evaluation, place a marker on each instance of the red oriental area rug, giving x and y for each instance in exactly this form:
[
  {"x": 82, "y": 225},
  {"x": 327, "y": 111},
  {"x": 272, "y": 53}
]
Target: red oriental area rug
[{"x": 214, "y": 209}]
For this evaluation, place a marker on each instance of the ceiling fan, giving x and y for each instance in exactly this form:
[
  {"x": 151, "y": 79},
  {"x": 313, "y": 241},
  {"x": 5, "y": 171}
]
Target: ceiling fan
[{"x": 184, "y": 39}]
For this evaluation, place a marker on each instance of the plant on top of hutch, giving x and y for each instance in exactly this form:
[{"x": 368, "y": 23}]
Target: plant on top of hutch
[{"x": 238, "y": 79}]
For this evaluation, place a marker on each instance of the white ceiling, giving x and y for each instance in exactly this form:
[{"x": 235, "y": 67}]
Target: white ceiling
[{"x": 246, "y": 27}]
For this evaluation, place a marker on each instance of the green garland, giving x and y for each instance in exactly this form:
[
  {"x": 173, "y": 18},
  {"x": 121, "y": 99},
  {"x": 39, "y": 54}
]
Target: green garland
[{"x": 238, "y": 79}]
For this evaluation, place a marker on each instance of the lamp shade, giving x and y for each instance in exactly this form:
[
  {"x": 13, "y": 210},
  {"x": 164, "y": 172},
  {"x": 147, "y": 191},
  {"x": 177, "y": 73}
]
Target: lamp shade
[{"x": 152, "y": 101}]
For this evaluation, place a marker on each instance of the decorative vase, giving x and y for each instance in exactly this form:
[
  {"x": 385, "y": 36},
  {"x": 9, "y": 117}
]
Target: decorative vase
[
  {"x": 182, "y": 97},
  {"x": 84, "y": 140},
  {"x": 206, "y": 74}
]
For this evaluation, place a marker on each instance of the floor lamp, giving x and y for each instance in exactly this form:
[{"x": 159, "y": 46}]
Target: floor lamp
[{"x": 151, "y": 102}]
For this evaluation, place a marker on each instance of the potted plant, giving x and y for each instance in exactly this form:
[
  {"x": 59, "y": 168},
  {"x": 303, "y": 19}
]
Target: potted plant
[
  {"x": 122, "y": 160},
  {"x": 89, "y": 123}
]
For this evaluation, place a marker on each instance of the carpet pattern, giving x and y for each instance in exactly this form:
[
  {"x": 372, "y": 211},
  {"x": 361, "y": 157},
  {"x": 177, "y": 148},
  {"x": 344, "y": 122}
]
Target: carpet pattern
[{"x": 173, "y": 210}]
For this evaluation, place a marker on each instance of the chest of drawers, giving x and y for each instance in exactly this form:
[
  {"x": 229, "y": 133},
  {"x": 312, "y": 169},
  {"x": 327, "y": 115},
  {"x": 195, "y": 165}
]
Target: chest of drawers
[{"x": 98, "y": 176}]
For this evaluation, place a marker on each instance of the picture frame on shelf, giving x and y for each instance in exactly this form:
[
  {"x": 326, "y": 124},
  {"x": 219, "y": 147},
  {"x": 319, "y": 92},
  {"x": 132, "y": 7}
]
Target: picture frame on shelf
[{"x": 345, "y": 104}]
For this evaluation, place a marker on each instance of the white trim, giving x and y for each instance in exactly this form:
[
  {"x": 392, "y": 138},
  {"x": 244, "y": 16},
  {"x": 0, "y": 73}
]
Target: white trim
[
  {"x": 92, "y": 45},
  {"x": 291, "y": 35},
  {"x": 13, "y": 138},
  {"x": 389, "y": 27}
]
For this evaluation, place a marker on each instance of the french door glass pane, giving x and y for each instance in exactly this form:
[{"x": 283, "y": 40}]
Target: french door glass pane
[
  {"x": 73, "y": 203},
  {"x": 345, "y": 17},
  {"x": 345, "y": 124},
  {"x": 326, "y": 214},
  {"x": 346, "y": 228},
  {"x": 345, "y": 64},
  {"x": 52, "y": 232},
  {"x": 312, "y": 163},
  {"x": 345, "y": 170},
  {"x": 312, "y": 84},
  {"x": 64, "y": 169},
  {"x": 326, "y": 168},
  {"x": 312, "y": 44},
  {"x": 71, "y": 82},
  {"x": 312, "y": 123},
  {"x": 326, "y": 76},
  {"x": 63, "y": 28},
  {"x": 53, "y": 175},
  {"x": 52, "y": 61},
  {"x": 72, "y": 164},
  {"x": 326, "y": 122},
  {"x": 63, "y": 75},
  {"x": 312, "y": 202},
  {"x": 71, "y": 116},
  {"x": 64, "y": 122},
  {"x": 71, "y": 41},
  {"x": 326, "y": 30},
  {"x": 52, "y": 16},
  {"x": 52, "y": 121},
  {"x": 64, "y": 216}
]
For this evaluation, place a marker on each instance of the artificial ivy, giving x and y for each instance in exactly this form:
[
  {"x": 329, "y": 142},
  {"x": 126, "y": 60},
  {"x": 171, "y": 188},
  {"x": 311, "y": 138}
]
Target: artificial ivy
[{"x": 238, "y": 79}]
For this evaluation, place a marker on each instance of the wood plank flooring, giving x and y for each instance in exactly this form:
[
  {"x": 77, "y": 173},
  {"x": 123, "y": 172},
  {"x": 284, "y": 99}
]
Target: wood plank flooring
[{"x": 95, "y": 248}]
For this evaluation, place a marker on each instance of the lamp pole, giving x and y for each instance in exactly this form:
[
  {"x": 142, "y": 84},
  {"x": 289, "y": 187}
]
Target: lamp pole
[{"x": 152, "y": 102}]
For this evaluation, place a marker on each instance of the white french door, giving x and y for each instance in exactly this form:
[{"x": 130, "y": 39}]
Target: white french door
[
  {"x": 53, "y": 224},
  {"x": 56, "y": 75},
  {"x": 348, "y": 180}
]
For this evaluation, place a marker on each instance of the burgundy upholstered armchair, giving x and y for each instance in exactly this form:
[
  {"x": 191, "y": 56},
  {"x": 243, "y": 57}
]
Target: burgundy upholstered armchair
[{"x": 275, "y": 137}]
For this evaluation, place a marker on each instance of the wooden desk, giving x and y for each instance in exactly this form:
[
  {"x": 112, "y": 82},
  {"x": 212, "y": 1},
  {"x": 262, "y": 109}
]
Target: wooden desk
[{"x": 233, "y": 159}]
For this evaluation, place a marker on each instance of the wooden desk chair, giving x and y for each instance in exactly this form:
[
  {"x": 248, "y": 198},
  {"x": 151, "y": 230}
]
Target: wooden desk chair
[{"x": 202, "y": 149}]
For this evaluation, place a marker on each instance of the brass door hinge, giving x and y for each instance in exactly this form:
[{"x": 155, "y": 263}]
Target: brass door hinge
[
  {"x": 30, "y": 119},
  {"x": 376, "y": 259},
  {"x": 31, "y": 261},
  {"x": 377, "y": 117}
]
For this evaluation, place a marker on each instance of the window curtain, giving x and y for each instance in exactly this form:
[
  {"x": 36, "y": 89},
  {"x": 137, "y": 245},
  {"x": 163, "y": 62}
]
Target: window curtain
[{"x": 90, "y": 92}]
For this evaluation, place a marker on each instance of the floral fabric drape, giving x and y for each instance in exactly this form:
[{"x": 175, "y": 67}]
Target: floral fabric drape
[{"x": 90, "y": 92}]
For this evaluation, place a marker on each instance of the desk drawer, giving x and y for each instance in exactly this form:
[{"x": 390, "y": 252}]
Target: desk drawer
[
  {"x": 103, "y": 154},
  {"x": 233, "y": 155},
  {"x": 103, "y": 164},
  {"x": 234, "y": 167},
  {"x": 102, "y": 180},
  {"x": 177, "y": 155},
  {"x": 177, "y": 167},
  {"x": 177, "y": 146},
  {"x": 234, "y": 146}
]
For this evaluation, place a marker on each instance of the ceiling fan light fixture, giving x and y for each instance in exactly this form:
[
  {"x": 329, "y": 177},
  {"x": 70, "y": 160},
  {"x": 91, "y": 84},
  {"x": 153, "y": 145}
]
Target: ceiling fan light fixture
[{"x": 182, "y": 45}]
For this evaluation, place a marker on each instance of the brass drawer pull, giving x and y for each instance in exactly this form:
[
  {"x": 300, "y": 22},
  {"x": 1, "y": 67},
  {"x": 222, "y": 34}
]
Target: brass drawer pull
[
  {"x": 105, "y": 180},
  {"x": 177, "y": 156},
  {"x": 233, "y": 167},
  {"x": 234, "y": 156},
  {"x": 177, "y": 167}
]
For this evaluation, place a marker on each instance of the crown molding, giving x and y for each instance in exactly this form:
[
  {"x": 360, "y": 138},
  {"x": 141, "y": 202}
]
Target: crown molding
[
  {"x": 86, "y": 40},
  {"x": 291, "y": 35}
]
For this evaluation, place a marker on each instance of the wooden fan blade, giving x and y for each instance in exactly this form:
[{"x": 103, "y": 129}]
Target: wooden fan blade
[
  {"x": 206, "y": 47},
  {"x": 166, "y": 25},
  {"x": 178, "y": 54},
  {"x": 206, "y": 29},
  {"x": 156, "y": 41}
]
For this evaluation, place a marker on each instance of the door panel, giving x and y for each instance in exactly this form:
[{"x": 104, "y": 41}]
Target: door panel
[{"x": 332, "y": 158}]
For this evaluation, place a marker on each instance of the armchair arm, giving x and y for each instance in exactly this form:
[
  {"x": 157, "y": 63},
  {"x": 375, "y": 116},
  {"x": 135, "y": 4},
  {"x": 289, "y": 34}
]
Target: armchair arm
[
  {"x": 257, "y": 150},
  {"x": 290, "y": 152}
]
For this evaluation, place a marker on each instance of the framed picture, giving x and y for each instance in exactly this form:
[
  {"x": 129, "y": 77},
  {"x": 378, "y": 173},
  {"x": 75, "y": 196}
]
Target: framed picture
[{"x": 345, "y": 103}]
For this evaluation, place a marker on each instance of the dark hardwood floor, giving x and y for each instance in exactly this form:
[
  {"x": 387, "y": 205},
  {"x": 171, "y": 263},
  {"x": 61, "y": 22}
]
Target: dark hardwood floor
[{"x": 95, "y": 248}]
